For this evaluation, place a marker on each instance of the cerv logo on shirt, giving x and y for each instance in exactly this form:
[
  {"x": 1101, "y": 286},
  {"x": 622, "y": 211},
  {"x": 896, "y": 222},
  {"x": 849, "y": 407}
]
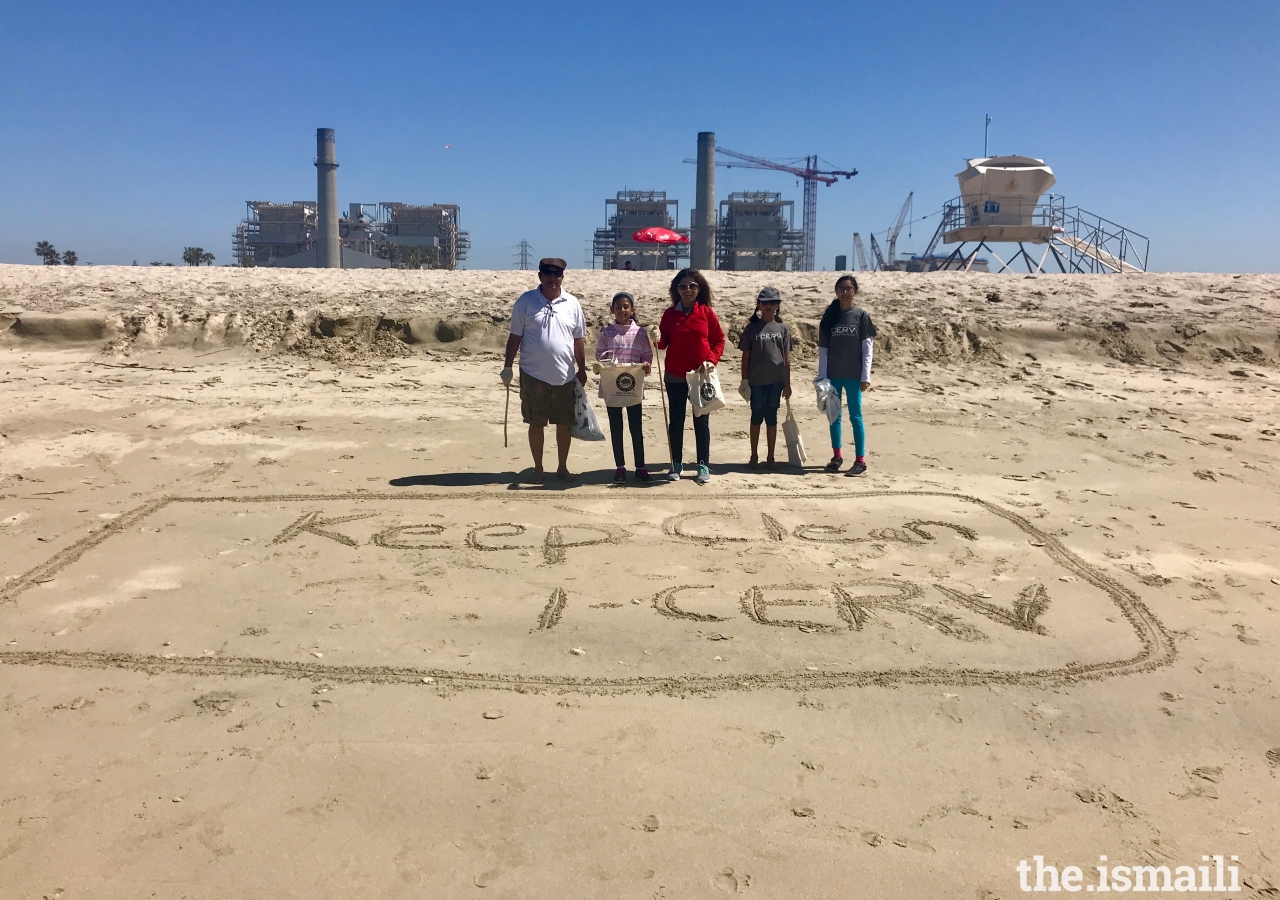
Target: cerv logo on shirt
[{"x": 844, "y": 329}]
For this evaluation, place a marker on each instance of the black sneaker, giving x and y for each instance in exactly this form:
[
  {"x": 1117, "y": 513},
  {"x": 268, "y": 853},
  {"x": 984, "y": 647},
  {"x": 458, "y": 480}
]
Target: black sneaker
[
  {"x": 620, "y": 476},
  {"x": 834, "y": 465},
  {"x": 859, "y": 467},
  {"x": 643, "y": 476}
]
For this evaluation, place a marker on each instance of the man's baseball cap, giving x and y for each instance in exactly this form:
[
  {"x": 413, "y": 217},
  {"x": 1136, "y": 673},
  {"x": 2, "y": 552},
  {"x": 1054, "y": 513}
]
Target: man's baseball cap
[
  {"x": 769, "y": 295},
  {"x": 552, "y": 262}
]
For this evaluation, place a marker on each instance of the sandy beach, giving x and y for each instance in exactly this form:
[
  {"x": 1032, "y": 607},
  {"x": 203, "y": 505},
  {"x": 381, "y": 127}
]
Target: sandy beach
[{"x": 277, "y": 618}]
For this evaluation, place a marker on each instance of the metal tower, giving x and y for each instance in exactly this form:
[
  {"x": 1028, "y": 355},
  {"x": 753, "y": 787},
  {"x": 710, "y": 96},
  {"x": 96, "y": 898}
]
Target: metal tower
[{"x": 523, "y": 256}]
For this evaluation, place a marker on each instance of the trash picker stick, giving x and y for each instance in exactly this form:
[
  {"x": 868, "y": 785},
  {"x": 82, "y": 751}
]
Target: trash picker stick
[
  {"x": 505, "y": 411},
  {"x": 662, "y": 392}
]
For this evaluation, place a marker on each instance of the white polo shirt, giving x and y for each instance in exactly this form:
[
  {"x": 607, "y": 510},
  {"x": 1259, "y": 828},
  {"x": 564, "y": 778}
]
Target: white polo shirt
[{"x": 547, "y": 329}]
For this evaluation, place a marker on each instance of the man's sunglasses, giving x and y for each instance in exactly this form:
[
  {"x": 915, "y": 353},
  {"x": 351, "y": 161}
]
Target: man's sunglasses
[{"x": 554, "y": 273}]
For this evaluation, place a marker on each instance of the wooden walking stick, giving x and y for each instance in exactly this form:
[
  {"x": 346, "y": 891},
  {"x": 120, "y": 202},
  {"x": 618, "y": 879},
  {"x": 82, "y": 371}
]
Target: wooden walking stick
[
  {"x": 662, "y": 392},
  {"x": 505, "y": 411}
]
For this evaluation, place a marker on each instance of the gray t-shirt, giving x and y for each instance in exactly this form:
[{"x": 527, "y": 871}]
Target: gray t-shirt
[
  {"x": 768, "y": 343},
  {"x": 844, "y": 343}
]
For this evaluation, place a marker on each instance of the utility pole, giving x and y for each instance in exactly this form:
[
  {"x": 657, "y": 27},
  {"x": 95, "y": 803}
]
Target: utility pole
[
  {"x": 985, "y": 132},
  {"x": 524, "y": 249}
]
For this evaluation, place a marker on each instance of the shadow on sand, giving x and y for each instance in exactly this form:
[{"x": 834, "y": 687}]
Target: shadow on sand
[
  {"x": 516, "y": 481},
  {"x": 455, "y": 479}
]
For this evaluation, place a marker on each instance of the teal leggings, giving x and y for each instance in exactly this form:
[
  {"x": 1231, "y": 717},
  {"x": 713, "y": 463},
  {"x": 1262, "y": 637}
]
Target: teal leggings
[{"x": 852, "y": 389}]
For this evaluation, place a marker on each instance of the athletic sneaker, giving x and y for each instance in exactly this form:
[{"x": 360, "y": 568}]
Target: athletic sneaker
[
  {"x": 704, "y": 474},
  {"x": 858, "y": 468},
  {"x": 620, "y": 476},
  {"x": 674, "y": 474},
  {"x": 642, "y": 475},
  {"x": 835, "y": 464}
]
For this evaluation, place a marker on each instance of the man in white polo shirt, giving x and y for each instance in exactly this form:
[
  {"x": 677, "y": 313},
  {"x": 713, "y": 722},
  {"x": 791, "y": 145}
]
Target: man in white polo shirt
[{"x": 548, "y": 328}]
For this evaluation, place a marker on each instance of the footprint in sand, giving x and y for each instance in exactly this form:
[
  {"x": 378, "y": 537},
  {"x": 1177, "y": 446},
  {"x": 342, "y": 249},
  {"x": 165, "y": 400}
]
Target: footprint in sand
[{"x": 729, "y": 882}]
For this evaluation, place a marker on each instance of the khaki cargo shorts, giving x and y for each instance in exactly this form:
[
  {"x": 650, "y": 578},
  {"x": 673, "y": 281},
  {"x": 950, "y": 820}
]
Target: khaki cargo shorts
[{"x": 542, "y": 403}]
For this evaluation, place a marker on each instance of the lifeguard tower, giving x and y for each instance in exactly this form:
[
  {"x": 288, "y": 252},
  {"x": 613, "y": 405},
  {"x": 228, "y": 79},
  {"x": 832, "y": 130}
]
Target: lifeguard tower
[{"x": 1000, "y": 203}]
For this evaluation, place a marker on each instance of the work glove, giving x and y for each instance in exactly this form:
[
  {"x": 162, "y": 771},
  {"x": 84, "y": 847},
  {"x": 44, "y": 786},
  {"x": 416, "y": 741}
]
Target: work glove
[
  {"x": 506, "y": 375},
  {"x": 744, "y": 390}
]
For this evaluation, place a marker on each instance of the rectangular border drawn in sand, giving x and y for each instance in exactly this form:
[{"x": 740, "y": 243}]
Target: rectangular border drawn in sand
[{"x": 1157, "y": 647}]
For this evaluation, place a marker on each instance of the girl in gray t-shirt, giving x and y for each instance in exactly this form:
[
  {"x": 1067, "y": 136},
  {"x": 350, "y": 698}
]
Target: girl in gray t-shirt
[{"x": 766, "y": 369}]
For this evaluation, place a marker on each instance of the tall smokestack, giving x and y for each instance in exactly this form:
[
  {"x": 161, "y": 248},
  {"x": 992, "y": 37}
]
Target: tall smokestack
[
  {"x": 328, "y": 249},
  {"x": 702, "y": 250}
]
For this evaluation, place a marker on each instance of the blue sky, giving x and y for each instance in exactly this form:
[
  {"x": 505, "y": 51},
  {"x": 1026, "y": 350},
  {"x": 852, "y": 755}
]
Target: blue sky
[{"x": 129, "y": 130}]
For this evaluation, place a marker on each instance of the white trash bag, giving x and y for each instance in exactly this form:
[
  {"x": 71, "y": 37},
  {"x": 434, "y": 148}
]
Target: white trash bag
[
  {"x": 586, "y": 427},
  {"x": 704, "y": 390},
  {"x": 828, "y": 399}
]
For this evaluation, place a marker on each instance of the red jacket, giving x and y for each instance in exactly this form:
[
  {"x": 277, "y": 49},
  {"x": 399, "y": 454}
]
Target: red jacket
[{"x": 690, "y": 339}]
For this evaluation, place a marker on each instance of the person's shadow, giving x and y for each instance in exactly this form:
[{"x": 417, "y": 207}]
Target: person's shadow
[
  {"x": 782, "y": 468},
  {"x": 513, "y": 480},
  {"x": 456, "y": 479}
]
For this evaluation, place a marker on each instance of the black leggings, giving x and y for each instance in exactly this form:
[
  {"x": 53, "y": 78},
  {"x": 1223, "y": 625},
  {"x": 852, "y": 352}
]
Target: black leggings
[
  {"x": 678, "y": 393},
  {"x": 634, "y": 422}
]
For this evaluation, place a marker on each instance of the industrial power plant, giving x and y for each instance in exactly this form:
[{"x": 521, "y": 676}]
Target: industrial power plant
[
  {"x": 310, "y": 234},
  {"x": 630, "y": 212},
  {"x": 1002, "y": 202},
  {"x": 748, "y": 231}
]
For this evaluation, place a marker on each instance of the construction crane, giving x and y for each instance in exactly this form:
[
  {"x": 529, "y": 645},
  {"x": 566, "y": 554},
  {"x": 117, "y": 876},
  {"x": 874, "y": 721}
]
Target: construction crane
[
  {"x": 875, "y": 249},
  {"x": 896, "y": 229},
  {"x": 810, "y": 175},
  {"x": 860, "y": 252}
]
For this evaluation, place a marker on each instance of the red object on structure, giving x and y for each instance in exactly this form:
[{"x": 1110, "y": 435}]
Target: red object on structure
[{"x": 659, "y": 236}]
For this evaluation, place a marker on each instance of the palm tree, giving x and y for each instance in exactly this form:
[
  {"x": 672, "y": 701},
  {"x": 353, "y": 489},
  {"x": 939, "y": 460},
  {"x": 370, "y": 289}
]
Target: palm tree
[
  {"x": 197, "y": 256},
  {"x": 70, "y": 258},
  {"x": 46, "y": 251}
]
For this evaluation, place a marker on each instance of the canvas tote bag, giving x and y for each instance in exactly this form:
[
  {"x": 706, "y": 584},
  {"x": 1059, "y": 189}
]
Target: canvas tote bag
[
  {"x": 704, "y": 390},
  {"x": 620, "y": 385},
  {"x": 795, "y": 444}
]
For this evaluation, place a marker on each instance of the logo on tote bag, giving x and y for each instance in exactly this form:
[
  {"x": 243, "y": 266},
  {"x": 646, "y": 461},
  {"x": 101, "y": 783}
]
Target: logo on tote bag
[{"x": 625, "y": 382}]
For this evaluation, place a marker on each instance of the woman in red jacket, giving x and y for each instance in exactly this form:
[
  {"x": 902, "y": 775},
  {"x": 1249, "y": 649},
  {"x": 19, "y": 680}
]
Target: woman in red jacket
[{"x": 691, "y": 335}]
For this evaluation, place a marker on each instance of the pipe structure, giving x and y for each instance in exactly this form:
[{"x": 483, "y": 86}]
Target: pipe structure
[
  {"x": 328, "y": 247},
  {"x": 702, "y": 250}
]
